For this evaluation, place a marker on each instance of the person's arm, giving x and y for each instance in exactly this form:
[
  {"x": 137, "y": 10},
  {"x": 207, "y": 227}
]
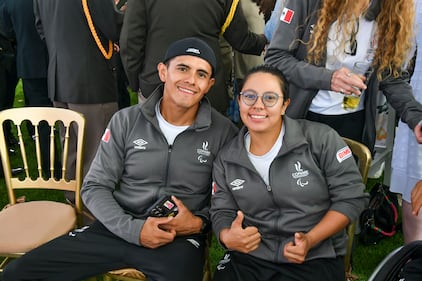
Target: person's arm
[
  {"x": 400, "y": 96},
  {"x": 418, "y": 132},
  {"x": 416, "y": 198},
  {"x": 101, "y": 181},
  {"x": 105, "y": 18},
  {"x": 241, "y": 39},
  {"x": 330, "y": 224},
  {"x": 346, "y": 191},
  {"x": 287, "y": 53},
  {"x": 132, "y": 41},
  {"x": 38, "y": 22}
]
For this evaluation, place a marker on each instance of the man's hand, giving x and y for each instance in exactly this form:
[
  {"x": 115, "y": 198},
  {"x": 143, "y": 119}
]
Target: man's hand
[
  {"x": 240, "y": 239},
  {"x": 296, "y": 252},
  {"x": 416, "y": 198},
  {"x": 184, "y": 223},
  {"x": 153, "y": 235},
  {"x": 418, "y": 132}
]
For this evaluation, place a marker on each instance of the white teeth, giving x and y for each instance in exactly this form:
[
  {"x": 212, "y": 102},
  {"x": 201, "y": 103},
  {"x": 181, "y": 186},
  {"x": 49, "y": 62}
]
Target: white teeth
[
  {"x": 258, "y": 116},
  {"x": 186, "y": 90}
]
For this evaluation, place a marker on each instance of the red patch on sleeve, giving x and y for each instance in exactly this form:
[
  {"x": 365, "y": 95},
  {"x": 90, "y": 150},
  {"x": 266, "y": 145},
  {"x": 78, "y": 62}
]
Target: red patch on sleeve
[
  {"x": 213, "y": 188},
  {"x": 287, "y": 15},
  {"x": 343, "y": 154},
  {"x": 106, "y": 136}
]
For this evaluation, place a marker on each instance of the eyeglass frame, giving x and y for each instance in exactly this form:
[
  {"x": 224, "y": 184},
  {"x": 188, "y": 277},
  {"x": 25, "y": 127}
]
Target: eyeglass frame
[{"x": 242, "y": 97}]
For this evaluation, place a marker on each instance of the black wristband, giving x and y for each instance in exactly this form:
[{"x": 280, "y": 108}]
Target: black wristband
[{"x": 206, "y": 225}]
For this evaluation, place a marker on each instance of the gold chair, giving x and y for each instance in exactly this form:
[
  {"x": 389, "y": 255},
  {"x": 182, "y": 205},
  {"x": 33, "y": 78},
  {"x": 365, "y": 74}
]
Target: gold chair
[
  {"x": 27, "y": 225},
  {"x": 363, "y": 155},
  {"x": 131, "y": 274}
]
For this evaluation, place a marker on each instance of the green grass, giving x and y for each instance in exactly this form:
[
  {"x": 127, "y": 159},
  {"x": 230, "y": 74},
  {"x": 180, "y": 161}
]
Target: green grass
[{"x": 365, "y": 258}]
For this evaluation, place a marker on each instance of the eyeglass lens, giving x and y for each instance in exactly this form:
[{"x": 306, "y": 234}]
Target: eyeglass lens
[{"x": 268, "y": 98}]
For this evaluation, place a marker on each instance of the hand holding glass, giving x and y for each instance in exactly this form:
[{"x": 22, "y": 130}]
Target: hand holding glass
[{"x": 351, "y": 102}]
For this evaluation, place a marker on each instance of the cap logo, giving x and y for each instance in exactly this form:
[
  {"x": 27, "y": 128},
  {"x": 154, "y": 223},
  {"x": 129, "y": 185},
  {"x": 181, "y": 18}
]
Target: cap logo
[{"x": 193, "y": 50}]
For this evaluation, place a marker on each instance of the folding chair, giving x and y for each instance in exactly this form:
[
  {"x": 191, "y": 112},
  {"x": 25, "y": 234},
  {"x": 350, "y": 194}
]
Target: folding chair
[
  {"x": 364, "y": 157},
  {"x": 27, "y": 225}
]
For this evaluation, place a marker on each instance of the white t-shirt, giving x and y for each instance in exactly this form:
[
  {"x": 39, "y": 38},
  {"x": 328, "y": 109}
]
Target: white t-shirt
[
  {"x": 330, "y": 102},
  {"x": 262, "y": 163},
  {"x": 170, "y": 131}
]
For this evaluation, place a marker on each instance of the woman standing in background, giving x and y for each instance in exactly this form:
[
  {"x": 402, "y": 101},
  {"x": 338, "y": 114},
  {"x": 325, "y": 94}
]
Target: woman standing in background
[
  {"x": 318, "y": 46},
  {"x": 407, "y": 153}
]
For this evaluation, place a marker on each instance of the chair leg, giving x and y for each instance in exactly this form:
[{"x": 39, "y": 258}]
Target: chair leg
[
  {"x": 207, "y": 276},
  {"x": 107, "y": 278}
]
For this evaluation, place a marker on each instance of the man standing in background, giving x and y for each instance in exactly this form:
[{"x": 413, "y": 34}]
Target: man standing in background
[
  {"x": 81, "y": 73},
  {"x": 150, "y": 26},
  {"x": 32, "y": 62}
]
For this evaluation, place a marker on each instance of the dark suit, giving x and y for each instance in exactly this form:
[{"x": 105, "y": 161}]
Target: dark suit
[
  {"x": 79, "y": 76},
  {"x": 77, "y": 71},
  {"x": 8, "y": 76},
  {"x": 32, "y": 61},
  {"x": 32, "y": 56}
]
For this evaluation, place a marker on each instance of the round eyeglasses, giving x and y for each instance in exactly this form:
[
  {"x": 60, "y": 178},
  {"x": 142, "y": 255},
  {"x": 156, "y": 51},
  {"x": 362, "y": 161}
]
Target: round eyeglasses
[{"x": 249, "y": 97}]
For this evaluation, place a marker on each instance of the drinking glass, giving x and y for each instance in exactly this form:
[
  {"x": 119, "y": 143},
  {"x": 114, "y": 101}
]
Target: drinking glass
[{"x": 351, "y": 102}]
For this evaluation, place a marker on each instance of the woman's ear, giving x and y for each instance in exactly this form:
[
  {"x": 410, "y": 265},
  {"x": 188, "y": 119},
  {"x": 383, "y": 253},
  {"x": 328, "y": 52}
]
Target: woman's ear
[{"x": 284, "y": 107}]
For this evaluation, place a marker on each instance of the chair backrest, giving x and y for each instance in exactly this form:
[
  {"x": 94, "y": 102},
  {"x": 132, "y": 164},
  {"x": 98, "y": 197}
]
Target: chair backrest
[
  {"x": 46, "y": 121},
  {"x": 363, "y": 157}
]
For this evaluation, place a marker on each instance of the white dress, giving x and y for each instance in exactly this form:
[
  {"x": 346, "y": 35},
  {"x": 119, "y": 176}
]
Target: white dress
[{"x": 407, "y": 153}]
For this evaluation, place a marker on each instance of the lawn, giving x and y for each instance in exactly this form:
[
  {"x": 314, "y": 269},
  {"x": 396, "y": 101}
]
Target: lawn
[{"x": 365, "y": 258}]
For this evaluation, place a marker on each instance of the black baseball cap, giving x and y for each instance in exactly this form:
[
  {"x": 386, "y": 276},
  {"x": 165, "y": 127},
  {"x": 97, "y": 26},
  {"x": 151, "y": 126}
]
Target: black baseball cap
[{"x": 192, "y": 46}]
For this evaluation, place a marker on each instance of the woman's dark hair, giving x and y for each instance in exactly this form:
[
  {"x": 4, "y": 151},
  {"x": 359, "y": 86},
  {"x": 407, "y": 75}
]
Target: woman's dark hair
[{"x": 265, "y": 68}]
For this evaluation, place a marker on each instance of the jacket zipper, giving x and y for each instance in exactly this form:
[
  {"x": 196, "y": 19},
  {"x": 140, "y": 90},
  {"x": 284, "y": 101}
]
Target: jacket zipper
[{"x": 169, "y": 150}]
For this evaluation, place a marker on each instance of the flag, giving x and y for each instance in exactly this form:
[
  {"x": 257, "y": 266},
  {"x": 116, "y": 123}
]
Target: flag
[{"x": 287, "y": 15}]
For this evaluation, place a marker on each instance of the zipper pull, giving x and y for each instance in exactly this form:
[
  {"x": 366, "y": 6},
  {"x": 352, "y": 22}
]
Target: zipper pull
[{"x": 269, "y": 188}]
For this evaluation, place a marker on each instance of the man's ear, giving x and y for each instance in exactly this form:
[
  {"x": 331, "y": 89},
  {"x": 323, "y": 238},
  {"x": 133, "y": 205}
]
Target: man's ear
[
  {"x": 162, "y": 71},
  {"x": 210, "y": 84}
]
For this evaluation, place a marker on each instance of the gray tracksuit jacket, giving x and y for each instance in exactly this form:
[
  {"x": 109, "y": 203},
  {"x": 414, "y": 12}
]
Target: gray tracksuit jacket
[
  {"x": 313, "y": 173},
  {"x": 288, "y": 50},
  {"x": 134, "y": 165}
]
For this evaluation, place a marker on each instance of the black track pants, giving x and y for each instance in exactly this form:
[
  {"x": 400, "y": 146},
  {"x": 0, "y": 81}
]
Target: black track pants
[
  {"x": 93, "y": 250},
  {"x": 236, "y": 266}
]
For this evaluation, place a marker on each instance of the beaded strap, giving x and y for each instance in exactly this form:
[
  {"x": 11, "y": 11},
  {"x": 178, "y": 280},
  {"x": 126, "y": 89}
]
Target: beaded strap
[{"x": 107, "y": 55}]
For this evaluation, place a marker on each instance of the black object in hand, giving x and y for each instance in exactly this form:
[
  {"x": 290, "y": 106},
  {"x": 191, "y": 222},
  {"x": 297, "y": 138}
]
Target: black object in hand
[{"x": 164, "y": 207}]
